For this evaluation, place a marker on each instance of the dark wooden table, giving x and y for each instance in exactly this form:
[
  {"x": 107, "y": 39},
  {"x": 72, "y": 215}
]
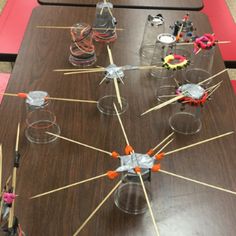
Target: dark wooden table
[
  {"x": 193, "y": 5},
  {"x": 180, "y": 207}
]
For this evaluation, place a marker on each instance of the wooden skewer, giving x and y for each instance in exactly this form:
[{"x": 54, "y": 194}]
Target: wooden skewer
[
  {"x": 166, "y": 138},
  {"x": 213, "y": 76},
  {"x": 9, "y": 94},
  {"x": 68, "y": 186},
  {"x": 213, "y": 90},
  {"x": 97, "y": 208},
  {"x": 11, "y": 213},
  {"x": 148, "y": 67},
  {"x": 69, "y": 27},
  {"x": 70, "y": 70},
  {"x": 117, "y": 92},
  {"x": 82, "y": 144},
  {"x": 160, "y": 150},
  {"x": 103, "y": 80},
  {"x": 149, "y": 205},
  {"x": 198, "y": 143},
  {"x": 56, "y": 99},
  {"x": 85, "y": 71},
  {"x": 191, "y": 43},
  {"x": 70, "y": 100},
  {"x": 198, "y": 182},
  {"x": 214, "y": 86},
  {"x": 167, "y": 96},
  {"x": 121, "y": 124},
  {"x": 115, "y": 79},
  {"x": 164, "y": 104}
]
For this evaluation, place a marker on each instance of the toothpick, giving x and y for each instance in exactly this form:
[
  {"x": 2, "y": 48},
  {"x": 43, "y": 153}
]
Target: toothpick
[
  {"x": 70, "y": 100},
  {"x": 213, "y": 76},
  {"x": 122, "y": 126},
  {"x": 166, "y": 138},
  {"x": 198, "y": 143},
  {"x": 198, "y": 182},
  {"x": 68, "y": 186},
  {"x": 164, "y": 104},
  {"x": 82, "y": 144},
  {"x": 97, "y": 208},
  {"x": 149, "y": 205},
  {"x": 69, "y": 27}
]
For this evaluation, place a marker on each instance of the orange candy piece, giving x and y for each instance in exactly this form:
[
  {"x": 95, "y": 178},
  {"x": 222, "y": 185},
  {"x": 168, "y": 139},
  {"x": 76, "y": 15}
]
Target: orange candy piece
[
  {"x": 128, "y": 149},
  {"x": 22, "y": 95},
  {"x": 150, "y": 152},
  {"x": 160, "y": 156},
  {"x": 115, "y": 154},
  {"x": 156, "y": 167},
  {"x": 137, "y": 169},
  {"x": 112, "y": 174}
]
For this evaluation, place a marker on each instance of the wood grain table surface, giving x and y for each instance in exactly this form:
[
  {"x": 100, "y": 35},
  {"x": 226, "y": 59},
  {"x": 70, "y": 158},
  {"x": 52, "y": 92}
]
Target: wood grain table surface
[
  {"x": 194, "y": 5},
  {"x": 180, "y": 207}
]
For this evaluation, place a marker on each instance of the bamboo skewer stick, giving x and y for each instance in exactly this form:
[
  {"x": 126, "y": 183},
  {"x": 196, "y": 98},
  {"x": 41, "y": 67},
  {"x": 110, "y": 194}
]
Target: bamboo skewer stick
[
  {"x": 121, "y": 124},
  {"x": 149, "y": 205},
  {"x": 166, "y": 138},
  {"x": 103, "y": 80},
  {"x": 209, "y": 89},
  {"x": 70, "y": 70},
  {"x": 12, "y": 209},
  {"x": 85, "y": 71},
  {"x": 70, "y": 100},
  {"x": 9, "y": 94},
  {"x": 213, "y": 90},
  {"x": 191, "y": 43},
  {"x": 115, "y": 79},
  {"x": 200, "y": 142},
  {"x": 97, "y": 208},
  {"x": 68, "y": 186},
  {"x": 198, "y": 182},
  {"x": 69, "y": 27},
  {"x": 167, "y": 144},
  {"x": 213, "y": 76},
  {"x": 82, "y": 144},
  {"x": 56, "y": 99},
  {"x": 117, "y": 92},
  {"x": 164, "y": 104}
]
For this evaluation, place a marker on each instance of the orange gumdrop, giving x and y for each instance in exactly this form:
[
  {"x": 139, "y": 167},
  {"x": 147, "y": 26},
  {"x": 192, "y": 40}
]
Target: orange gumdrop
[
  {"x": 137, "y": 169},
  {"x": 115, "y": 154},
  {"x": 22, "y": 95},
  {"x": 156, "y": 167},
  {"x": 128, "y": 149},
  {"x": 112, "y": 174},
  {"x": 159, "y": 156}
]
